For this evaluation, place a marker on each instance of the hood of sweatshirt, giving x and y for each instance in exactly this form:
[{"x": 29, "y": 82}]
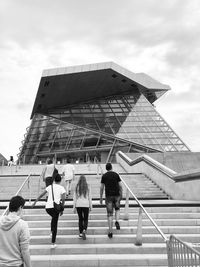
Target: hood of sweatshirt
[{"x": 8, "y": 221}]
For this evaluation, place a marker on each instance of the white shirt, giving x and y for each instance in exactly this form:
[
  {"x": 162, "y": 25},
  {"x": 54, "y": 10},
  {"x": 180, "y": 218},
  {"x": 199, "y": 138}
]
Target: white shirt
[
  {"x": 81, "y": 201},
  {"x": 48, "y": 170},
  {"x": 68, "y": 171},
  {"x": 58, "y": 190}
]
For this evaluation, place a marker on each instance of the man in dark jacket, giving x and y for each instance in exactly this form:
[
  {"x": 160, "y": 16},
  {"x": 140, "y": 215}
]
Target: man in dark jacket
[{"x": 113, "y": 192}]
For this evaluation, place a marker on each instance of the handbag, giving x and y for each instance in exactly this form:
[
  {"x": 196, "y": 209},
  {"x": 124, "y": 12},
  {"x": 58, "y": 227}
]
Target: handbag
[{"x": 57, "y": 207}]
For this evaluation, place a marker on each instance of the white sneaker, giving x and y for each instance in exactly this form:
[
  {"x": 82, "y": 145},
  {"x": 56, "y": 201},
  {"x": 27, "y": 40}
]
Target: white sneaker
[
  {"x": 53, "y": 245},
  {"x": 80, "y": 236}
]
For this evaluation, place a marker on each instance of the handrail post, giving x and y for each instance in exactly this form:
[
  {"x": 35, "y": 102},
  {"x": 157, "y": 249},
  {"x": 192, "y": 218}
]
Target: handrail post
[
  {"x": 169, "y": 253},
  {"x": 39, "y": 185},
  {"x": 29, "y": 190},
  {"x": 126, "y": 211},
  {"x": 138, "y": 241}
]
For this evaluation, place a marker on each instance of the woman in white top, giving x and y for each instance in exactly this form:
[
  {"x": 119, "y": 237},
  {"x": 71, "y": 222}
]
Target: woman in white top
[
  {"x": 83, "y": 204},
  {"x": 59, "y": 194}
]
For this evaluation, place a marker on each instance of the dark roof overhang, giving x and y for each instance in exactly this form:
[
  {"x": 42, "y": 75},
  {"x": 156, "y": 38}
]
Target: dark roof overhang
[{"x": 65, "y": 87}]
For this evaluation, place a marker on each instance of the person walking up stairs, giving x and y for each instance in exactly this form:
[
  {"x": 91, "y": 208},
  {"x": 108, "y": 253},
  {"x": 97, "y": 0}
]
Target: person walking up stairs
[
  {"x": 113, "y": 192},
  {"x": 82, "y": 203}
]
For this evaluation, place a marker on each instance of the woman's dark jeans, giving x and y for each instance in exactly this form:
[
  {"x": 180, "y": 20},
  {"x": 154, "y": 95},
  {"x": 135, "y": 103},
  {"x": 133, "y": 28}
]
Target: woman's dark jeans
[
  {"x": 54, "y": 223},
  {"x": 83, "y": 218}
]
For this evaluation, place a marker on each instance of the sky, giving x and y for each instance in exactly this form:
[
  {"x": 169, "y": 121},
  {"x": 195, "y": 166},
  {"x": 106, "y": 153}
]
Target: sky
[{"x": 159, "y": 38}]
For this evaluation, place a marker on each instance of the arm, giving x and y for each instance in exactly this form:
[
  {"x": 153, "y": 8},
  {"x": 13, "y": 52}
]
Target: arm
[
  {"x": 63, "y": 202},
  {"x": 26, "y": 257},
  {"x": 120, "y": 189},
  {"x": 73, "y": 173},
  {"x": 74, "y": 202},
  {"x": 63, "y": 198},
  {"x": 39, "y": 197},
  {"x": 101, "y": 193},
  {"x": 90, "y": 199},
  {"x": 24, "y": 240}
]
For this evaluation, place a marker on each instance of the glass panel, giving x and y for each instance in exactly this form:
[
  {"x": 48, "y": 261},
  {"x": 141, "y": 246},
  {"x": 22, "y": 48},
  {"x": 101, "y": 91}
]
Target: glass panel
[
  {"x": 44, "y": 147},
  {"x": 130, "y": 117}
]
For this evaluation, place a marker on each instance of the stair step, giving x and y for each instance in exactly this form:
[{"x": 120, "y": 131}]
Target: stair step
[
  {"x": 117, "y": 238},
  {"x": 99, "y": 260},
  {"x": 164, "y": 209},
  {"x": 124, "y": 230},
  {"x": 100, "y": 223},
  {"x": 103, "y": 216},
  {"x": 84, "y": 248}
]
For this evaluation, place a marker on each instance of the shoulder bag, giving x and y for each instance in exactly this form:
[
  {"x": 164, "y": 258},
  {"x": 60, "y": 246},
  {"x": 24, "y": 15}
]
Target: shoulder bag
[{"x": 57, "y": 207}]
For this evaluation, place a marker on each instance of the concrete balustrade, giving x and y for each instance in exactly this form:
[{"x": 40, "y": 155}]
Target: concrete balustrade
[{"x": 180, "y": 186}]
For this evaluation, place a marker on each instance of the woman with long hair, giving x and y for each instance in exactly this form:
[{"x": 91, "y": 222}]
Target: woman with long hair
[{"x": 82, "y": 204}]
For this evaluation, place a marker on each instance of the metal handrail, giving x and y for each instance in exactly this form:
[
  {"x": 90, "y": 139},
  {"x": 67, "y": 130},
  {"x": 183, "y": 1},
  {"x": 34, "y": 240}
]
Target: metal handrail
[
  {"x": 97, "y": 162},
  {"x": 144, "y": 210},
  {"x": 180, "y": 253},
  {"x": 18, "y": 191}
]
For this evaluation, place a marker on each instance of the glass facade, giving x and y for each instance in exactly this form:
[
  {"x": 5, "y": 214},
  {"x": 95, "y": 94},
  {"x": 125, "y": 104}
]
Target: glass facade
[{"x": 99, "y": 128}]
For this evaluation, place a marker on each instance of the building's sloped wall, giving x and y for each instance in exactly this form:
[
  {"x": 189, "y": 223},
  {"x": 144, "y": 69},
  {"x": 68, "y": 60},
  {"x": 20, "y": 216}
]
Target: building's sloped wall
[{"x": 99, "y": 129}]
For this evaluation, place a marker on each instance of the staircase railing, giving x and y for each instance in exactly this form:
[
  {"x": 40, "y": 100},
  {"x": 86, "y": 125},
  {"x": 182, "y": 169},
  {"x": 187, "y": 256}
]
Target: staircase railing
[
  {"x": 141, "y": 209},
  {"x": 180, "y": 254},
  {"x": 25, "y": 182}
]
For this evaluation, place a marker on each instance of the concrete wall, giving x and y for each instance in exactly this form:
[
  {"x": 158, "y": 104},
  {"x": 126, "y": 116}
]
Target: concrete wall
[
  {"x": 163, "y": 177},
  {"x": 177, "y": 161}
]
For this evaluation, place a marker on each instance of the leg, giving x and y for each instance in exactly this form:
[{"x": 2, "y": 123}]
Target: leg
[
  {"x": 67, "y": 187},
  {"x": 54, "y": 223},
  {"x": 85, "y": 212},
  {"x": 117, "y": 215},
  {"x": 70, "y": 186},
  {"x": 80, "y": 219},
  {"x": 110, "y": 223},
  {"x": 109, "y": 206},
  {"x": 85, "y": 218},
  {"x": 117, "y": 212}
]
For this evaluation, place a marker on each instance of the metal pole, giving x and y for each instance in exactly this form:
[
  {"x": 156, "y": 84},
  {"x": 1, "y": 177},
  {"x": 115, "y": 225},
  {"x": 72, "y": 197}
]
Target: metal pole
[
  {"x": 138, "y": 241},
  {"x": 126, "y": 211},
  {"x": 29, "y": 186},
  {"x": 169, "y": 253}
]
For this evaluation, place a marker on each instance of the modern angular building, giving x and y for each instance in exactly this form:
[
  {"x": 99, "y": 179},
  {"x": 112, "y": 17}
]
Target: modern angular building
[{"x": 92, "y": 111}]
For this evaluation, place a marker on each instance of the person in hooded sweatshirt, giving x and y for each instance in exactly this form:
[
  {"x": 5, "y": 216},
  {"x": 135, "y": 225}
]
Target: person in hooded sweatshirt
[{"x": 14, "y": 236}]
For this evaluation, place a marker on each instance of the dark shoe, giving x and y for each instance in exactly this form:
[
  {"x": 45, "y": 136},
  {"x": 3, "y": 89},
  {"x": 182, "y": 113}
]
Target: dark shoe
[
  {"x": 110, "y": 235},
  {"x": 84, "y": 235},
  {"x": 117, "y": 225}
]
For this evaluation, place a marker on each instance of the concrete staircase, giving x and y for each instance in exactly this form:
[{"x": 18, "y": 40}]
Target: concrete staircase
[
  {"x": 173, "y": 217},
  {"x": 142, "y": 187},
  {"x": 98, "y": 249}
]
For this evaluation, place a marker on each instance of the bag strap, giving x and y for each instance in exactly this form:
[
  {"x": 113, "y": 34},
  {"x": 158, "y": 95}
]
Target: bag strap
[{"x": 52, "y": 192}]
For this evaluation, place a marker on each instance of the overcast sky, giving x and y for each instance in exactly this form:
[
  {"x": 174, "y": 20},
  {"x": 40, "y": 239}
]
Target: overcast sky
[{"x": 159, "y": 38}]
